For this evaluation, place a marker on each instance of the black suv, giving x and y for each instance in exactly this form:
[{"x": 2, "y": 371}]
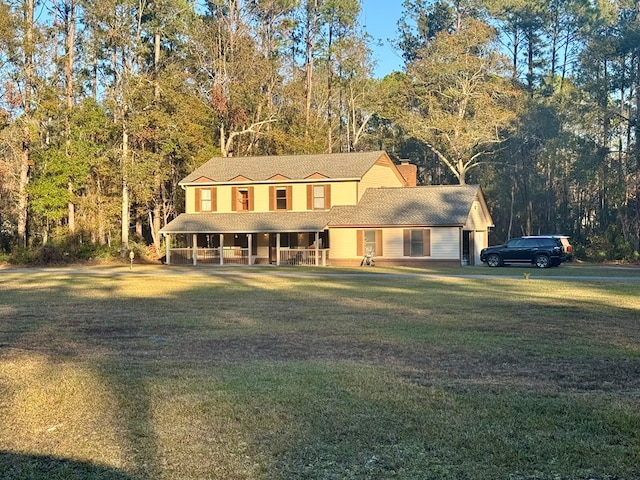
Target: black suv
[{"x": 542, "y": 251}]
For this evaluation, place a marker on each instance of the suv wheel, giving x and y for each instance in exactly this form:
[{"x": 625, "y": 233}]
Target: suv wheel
[
  {"x": 493, "y": 260},
  {"x": 542, "y": 261}
]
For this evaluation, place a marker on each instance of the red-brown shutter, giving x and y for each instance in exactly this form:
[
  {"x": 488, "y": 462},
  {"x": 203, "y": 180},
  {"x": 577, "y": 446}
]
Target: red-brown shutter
[
  {"x": 426, "y": 242},
  {"x": 360, "y": 243},
  {"x": 214, "y": 199},
  {"x": 250, "y": 192},
  {"x": 327, "y": 197},
  {"x": 406, "y": 234},
  {"x": 378, "y": 243},
  {"x": 272, "y": 198},
  {"x": 198, "y": 205},
  {"x": 309, "y": 197},
  {"x": 234, "y": 199},
  {"x": 289, "y": 197}
]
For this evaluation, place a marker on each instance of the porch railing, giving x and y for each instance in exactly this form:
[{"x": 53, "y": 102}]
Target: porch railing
[
  {"x": 230, "y": 255},
  {"x": 235, "y": 255},
  {"x": 303, "y": 256},
  {"x": 240, "y": 256}
]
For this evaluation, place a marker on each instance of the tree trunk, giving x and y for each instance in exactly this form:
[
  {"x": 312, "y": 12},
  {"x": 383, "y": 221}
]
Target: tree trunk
[
  {"x": 25, "y": 152},
  {"x": 310, "y": 42},
  {"x": 124, "y": 238},
  {"x": 70, "y": 33}
]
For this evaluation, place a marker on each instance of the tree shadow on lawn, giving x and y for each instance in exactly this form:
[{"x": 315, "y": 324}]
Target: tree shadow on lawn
[
  {"x": 140, "y": 341},
  {"x": 17, "y": 466}
]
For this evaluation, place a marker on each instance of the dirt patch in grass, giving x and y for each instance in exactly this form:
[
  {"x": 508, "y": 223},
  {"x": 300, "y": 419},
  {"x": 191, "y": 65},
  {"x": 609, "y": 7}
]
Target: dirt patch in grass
[{"x": 457, "y": 367}]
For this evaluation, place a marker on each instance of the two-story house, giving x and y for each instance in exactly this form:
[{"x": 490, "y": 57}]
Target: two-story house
[{"x": 319, "y": 209}]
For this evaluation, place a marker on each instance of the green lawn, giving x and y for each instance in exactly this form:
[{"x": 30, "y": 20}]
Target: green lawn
[{"x": 175, "y": 373}]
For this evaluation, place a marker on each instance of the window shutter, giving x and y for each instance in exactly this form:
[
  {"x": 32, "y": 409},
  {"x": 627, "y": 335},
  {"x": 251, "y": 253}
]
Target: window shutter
[
  {"x": 360, "y": 243},
  {"x": 289, "y": 197},
  {"x": 250, "y": 191},
  {"x": 327, "y": 197},
  {"x": 426, "y": 242},
  {"x": 406, "y": 235},
  {"x": 234, "y": 199},
  {"x": 272, "y": 198},
  {"x": 198, "y": 205},
  {"x": 214, "y": 200},
  {"x": 378, "y": 243},
  {"x": 309, "y": 197}
]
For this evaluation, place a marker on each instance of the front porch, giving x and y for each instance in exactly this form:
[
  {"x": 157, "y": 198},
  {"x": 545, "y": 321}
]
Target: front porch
[{"x": 301, "y": 249}]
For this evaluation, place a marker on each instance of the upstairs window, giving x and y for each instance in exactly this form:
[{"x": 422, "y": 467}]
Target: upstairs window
[
  {"x": 205, "y": 200},
  {"x": 318, "y": 197},
  {"x": 280, "y": 198},
  {"x": 242, "y": 199}
]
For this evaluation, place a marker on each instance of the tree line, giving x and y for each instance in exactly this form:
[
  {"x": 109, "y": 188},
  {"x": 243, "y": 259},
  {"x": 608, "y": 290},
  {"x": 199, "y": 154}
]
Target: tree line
[{"x": 106, "y": 104}]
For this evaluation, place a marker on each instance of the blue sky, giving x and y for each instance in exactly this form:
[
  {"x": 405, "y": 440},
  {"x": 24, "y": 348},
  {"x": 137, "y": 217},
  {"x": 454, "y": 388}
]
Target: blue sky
[{"x": 380, "y": 20}]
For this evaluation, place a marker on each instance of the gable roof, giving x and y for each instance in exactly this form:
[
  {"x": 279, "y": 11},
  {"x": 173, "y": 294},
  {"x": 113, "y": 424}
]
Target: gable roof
[
  {"x": 444, "y": 205},
  {"x": 295, "y": 167}
]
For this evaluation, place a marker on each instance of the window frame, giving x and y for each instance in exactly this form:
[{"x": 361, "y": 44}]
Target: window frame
[
  {"x": 361, "y": 245},
  {"x": 274, "y": 205},
  {"x": 311, "y": 196},
  {"x": 199, "y": 200},
  {"x": 240, "y": 203},
  {"x": 410, "y": 248}
]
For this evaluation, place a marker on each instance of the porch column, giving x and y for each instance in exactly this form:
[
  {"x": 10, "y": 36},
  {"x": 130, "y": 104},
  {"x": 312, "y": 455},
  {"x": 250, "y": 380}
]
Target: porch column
[
  {"x": 222, "y": 249},
  {"x": 167, "y": 247},
  {"x": 194, "y": 253},
  {"x": 278, "y": 249},
  {"x": 317, "y": 244},
  {"x": 249, "y": 238}
]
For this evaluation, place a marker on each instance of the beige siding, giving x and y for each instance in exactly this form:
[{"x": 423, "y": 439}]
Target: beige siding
[
  {"x": 190, "y": 200},
  {"x": 343, "y": 243},
  {"x": 445, "y": 243},
  {"x": 342, "y": 193},
  {"x": 379, "y": 176},
  {"x": 477, "y": 220}
]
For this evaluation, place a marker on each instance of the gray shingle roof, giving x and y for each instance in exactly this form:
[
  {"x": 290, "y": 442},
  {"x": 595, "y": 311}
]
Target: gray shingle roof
[
  {"x": 295, "y": 167},
  {"x": 430, "y": 205},
  {"x": 248, "y": 222}
]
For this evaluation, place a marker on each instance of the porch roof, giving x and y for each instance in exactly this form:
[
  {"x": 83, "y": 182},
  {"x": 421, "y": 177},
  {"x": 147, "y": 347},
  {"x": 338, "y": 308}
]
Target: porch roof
[{"x": 248, "y": 222}]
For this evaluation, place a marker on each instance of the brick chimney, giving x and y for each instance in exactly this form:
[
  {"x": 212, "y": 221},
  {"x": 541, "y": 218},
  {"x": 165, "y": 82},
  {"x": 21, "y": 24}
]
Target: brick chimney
[{"x": 410, "y": 172}]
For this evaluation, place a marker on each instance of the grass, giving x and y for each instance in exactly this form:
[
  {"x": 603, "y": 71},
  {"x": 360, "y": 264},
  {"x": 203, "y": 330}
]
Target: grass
[{"x": 176, "y": 373}]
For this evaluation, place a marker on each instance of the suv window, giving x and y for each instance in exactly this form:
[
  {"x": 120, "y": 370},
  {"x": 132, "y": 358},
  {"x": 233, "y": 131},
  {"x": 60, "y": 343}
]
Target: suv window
[{"x": 547, "y": 242}]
